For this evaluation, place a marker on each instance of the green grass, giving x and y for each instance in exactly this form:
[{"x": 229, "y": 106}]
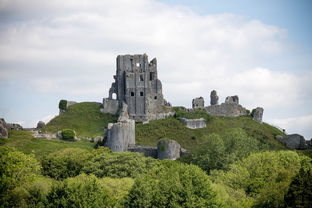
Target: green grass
[
  {"x": 42, "y": 147},
  {"x": 20, "y": 134},
  {"x": 171, "y": 128},
  {"x": 85, "y": 118}
]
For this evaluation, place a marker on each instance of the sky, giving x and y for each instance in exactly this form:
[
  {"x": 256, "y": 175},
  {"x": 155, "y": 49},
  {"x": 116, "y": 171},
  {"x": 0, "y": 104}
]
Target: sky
[{"x": 260, "y": 50}]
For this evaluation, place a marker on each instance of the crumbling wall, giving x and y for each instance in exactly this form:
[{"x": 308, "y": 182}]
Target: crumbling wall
[
  {"x": 226, "y": 109},
  {"x": 214, "y": 99},
  {"x": 194, "y": 123},
  {"x": 257, "y": 114},
  {"x": 198, "y": 103},
  {"x": 293, "y": 141},
  {"x": 3, "y": 129},
  {"x": 168, "y": 149},
  {"x": 110, "y": 106}
]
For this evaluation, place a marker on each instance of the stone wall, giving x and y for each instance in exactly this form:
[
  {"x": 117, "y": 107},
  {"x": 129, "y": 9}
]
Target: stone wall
[
  {"x": 293, "y": 141},
  {"x": 198, "y": 103},
  {"x": 257, "y": 114},
  {"x": 3, "y": 129},
  {"x": 110, "y": 106},
  {"x": 226, "y": 109},
  {"x": 146, "y": 151},
  {"x": 194, "y": 123},
  {"x": 168, "y": 149},
  {"x": 120, "y": 135}
]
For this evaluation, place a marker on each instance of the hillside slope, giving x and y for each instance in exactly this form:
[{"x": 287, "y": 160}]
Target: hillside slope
[{"x": 85, "y": 118}]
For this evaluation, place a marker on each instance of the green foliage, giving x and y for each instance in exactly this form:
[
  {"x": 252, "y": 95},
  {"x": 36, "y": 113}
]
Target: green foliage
[
  {"x": 260, "y": 180},
  {"x": 42, "y": 147},
  {"x": 219, "y": 152},
  {"x": 85, "y": 191},
  {"x": 84, "y": 118},
  {"x": 63, "y": 104},
  {"x": 16, "y": 169},
  {"x": 118, "y": 164},
  {"x": 181, "y": 112},
  {"x": 299, "y": 194},
  {"x": 118, "y": 189},
  {"x": 68, "y": 135},
  {"x": 20, "y": 134},
  {"x": 65, "y": 163},
  {"x": 174, "y": 185},
  {"x": 149, "y": 134},
  {"x": 32, "y": 194}
]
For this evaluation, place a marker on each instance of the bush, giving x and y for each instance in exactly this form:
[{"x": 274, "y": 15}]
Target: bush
[
  {"x": 68, "y": 135},
  {"x": 118, "y": 164},
  {"x": 16, "y": 169},
  {"x": 260, "y": 180},
  {"x": 81, "y": 191},
  {"x": 174, "y": 185},
  {"x": 65, "y": 163},
  {"x": 63, "y": 105}
]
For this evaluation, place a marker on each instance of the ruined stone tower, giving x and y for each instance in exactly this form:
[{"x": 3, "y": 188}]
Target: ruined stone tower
[{"x": 137, "y": 85}]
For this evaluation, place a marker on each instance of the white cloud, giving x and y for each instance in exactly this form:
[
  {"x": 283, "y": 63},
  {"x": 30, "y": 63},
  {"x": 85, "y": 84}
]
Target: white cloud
[{"x": 70, "y": 47}]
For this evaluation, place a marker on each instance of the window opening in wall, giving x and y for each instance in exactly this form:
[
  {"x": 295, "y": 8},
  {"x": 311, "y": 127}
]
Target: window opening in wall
[
  {"x": 141, "y": 93},
  {"x": 114, "y": 96},
  {"x": 155, "y": 97},
  {"x": 132, "y": 94},
  {"x": 152, "y": 76},
  {"x": 141, "y": 77},
  {"x": 138, "y": 64}
]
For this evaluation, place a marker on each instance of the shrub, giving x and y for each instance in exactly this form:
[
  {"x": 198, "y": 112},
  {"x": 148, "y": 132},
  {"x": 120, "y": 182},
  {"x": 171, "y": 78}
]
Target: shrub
[
  {"x": 16, "y": 169},
  {"x": 81, "y": 191},
  {"x": 262, "y": 178},
  {"x": 63, "y": 105},
  {"x": 68, "y": 135},
  {"x": 118, "y": 164},
  {"x": 65, "y": 163},
  {"x": 174, "y": 185}
]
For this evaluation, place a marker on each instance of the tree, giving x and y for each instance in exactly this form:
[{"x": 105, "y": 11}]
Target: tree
[
  {"x": 300, "y": 190},
  {"x": 173, "y": 185},
  {"x": 263, "y": 177},
  {"x": 65, "y": 163},
  {"x": 16, "y": 169},
  {"x": 85, "y": 191}
]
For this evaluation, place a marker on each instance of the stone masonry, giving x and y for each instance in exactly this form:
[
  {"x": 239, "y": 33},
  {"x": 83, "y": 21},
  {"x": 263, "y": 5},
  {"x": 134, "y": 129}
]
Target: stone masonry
[
  {"x": 194, "y": 123},
  {"x": 137, "y": 85},
  {"x": 198, "y": 103},
  {"x": 214, "y": 99},
  {"x": 257, "y": 114}
]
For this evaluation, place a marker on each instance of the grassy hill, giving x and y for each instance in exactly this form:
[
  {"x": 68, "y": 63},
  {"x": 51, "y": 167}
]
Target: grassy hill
[
  {"x": 85, "y": 118},
  {"x": 23, "y": 141},
  {"x": 172, "y": 128}
]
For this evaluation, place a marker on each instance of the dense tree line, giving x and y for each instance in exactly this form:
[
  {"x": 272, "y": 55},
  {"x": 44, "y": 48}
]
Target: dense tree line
[{"x": 229, "y": 170}]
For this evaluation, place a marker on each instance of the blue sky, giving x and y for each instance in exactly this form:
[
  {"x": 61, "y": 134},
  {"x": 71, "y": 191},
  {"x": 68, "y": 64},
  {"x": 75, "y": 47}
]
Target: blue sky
[{"x": 259, "y": 50}]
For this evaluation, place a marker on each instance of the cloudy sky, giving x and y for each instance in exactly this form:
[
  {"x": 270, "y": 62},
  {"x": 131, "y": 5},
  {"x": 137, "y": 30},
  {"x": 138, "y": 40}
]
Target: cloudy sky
[{"x": 260, "y": 50}]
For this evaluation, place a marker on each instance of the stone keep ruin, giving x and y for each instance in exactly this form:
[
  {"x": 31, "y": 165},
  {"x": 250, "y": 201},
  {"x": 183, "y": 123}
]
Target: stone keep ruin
[{"x": 137, "y": 85}]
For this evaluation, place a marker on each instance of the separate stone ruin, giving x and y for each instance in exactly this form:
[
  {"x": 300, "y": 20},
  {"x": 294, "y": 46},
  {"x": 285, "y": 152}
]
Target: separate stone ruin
[
  {"x": 294, "y": 141},
  {"x": 214, "y": 99},
  {"x": 146, "y": 151},
  {"x": 121, "y": 135},
  {"x": 232, "y": 99},
  {"x": 13, "y": 126},
  {"x": 40, "y": 125},
  {"x": 194, "y": 123},
  {"x": 257, "y": 114},
  {"x": 230, "y": 108},
  {"x": 3, "y": 129},
  {"x": 198, "y": 103},
  {"x": 168, "y": 149},
  {"x": 137, "y": 85}
]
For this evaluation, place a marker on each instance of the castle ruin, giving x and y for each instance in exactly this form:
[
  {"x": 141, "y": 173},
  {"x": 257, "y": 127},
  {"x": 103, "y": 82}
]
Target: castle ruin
[{"x": 137, "y": 85}]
